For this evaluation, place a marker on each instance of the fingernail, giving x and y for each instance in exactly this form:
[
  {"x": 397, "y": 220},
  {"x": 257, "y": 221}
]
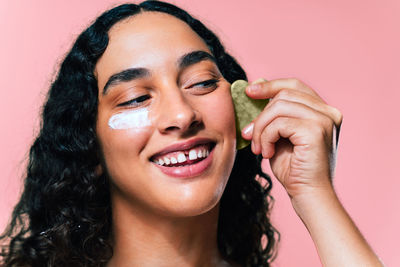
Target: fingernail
[
  {"x": 253, "y": 87},
  {"x": 260, "y": 80},
  {"x": 248, "y": 129}
]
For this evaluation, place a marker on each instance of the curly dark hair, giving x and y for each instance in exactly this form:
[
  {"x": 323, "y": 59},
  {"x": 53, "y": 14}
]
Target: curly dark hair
[{"x": 63, "y": 217}]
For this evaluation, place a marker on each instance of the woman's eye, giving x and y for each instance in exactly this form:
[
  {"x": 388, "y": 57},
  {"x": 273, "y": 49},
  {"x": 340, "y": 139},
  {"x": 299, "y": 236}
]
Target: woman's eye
[
  {"x": 135, "y": 102},
  {"x": 207, "y": 84}
]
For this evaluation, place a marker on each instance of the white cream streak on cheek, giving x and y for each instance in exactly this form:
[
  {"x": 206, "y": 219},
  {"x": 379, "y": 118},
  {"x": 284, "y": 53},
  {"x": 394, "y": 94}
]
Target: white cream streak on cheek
[{"x": 129, "y": 119}]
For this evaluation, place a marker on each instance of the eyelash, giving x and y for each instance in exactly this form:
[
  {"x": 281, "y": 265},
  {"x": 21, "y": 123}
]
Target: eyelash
[
  {"x": 208, "y": 83},
  {"x": 136, "y": 101}
]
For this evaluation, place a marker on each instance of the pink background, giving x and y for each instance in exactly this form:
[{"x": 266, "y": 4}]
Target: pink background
[{"x": 348, "y": 51}]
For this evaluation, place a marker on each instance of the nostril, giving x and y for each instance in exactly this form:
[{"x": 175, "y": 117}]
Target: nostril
[
  {"x": 180, "y": 120},
  {"x": 172, "y": 128},
  {"x": 194, "y": 124}
]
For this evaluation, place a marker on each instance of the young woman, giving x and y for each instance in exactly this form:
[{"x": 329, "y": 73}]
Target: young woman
[{"x": 136, "y": 161}]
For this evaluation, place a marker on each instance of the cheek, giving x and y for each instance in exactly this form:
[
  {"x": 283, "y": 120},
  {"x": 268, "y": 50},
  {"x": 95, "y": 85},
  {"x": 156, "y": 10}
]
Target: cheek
[
  {"x": 220, "y": 112},
  {"x": 130, "y": 119},
  {"x": 120, "y": 141},
  {"x": 127, "y": 141}
]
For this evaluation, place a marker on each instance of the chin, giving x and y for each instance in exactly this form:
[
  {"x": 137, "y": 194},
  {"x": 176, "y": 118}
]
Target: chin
[{"x": 189, "y": 204}]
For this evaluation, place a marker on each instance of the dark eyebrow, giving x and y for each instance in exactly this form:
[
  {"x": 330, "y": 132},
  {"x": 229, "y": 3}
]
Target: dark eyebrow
[
  {"x": 183, "y": 62},
  {"x": 194, "y": 57},
  {"x": 126, "y": 76}
]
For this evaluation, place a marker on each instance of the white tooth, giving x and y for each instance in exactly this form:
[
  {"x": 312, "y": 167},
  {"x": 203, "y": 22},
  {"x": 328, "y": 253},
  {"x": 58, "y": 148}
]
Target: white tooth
[
  {"x": 161, "y": 162},
  {"x": 200, "y": 154},
  {"x": 167, "y": 161},
  {"x": 204, "y": 153},
  {"x": 192, "y": 154},
  {"x": 173, "y": 160},
  {"x": 181, "y": 157},
  {"x": 207, "y": 153}
]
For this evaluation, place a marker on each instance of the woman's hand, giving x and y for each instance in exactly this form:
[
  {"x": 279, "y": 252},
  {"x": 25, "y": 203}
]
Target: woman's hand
[{"x": 297, "y": 131}]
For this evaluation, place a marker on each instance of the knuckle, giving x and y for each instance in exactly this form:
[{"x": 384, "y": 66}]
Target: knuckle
[
  {"x": 338, "y": 116},
  {"x": 295, "y": 82},
  {"x": 324, "y": 129}
]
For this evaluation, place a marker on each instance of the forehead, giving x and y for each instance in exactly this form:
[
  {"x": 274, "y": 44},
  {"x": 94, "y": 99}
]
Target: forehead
[{"x": 150, "y": 40}]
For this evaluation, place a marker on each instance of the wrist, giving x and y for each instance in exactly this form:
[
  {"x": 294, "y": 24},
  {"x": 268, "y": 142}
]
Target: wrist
[
  {"x": 332, "y": 229},
  {"x": 314, "y": 199}
]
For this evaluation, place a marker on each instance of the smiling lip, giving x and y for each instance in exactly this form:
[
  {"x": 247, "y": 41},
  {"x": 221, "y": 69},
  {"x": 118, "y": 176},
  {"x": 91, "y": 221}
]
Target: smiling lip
[
  {"x": 183, "y": 146},
  {"x": 190, "y": 170}
]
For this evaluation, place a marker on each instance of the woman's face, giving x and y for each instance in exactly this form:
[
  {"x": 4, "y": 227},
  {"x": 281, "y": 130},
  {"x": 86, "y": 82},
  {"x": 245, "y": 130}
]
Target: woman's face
[{"x": 165, "y": 117}]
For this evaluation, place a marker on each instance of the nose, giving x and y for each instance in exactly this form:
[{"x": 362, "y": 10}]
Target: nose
[{"x": 178, "y": 114}]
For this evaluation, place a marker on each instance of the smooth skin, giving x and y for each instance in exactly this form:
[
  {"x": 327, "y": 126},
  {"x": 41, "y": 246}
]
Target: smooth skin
[
  {"x": 164, "y": 221},
  {"x": 160, "y": 220},
  {"x": 298, "y": 133}
]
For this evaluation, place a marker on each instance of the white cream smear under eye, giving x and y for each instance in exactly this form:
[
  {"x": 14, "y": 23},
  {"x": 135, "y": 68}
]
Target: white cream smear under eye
[{"x": 129, "y": 119}]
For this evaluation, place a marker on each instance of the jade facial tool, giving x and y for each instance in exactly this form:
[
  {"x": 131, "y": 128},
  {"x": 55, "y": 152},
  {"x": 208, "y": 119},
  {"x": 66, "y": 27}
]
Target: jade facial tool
[{"x": 246, "y": 109}]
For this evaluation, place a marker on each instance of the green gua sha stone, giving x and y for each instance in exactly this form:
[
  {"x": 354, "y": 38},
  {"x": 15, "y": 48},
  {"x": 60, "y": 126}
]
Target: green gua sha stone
[{"x": 246, "y": 109}]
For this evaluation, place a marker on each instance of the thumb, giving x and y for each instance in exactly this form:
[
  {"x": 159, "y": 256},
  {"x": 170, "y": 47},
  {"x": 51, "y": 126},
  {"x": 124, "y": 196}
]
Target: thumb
[{"x": 258, "y": 89}]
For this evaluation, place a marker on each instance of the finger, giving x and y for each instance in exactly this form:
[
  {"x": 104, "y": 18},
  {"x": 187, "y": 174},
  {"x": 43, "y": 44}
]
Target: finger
[
  {"x": 300, "y": 132},
  {"x": 268, "y": 89},
  {"x": 311, "y": 101},
  {"x": 247, "y": 132},
  {"x": 287, "y": 139},
  {"x": 282, "y": 127},
  {"x": 284, "y": 108}
]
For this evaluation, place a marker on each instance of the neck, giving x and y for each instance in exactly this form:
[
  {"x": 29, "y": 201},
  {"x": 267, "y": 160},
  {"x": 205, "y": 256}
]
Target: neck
[{"x": 145, "y": 238}]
